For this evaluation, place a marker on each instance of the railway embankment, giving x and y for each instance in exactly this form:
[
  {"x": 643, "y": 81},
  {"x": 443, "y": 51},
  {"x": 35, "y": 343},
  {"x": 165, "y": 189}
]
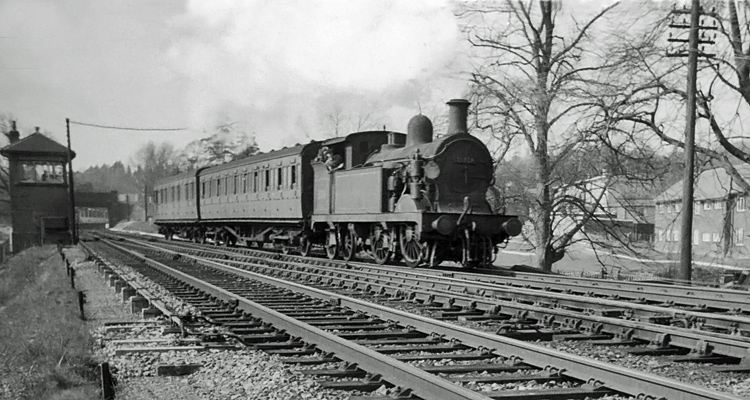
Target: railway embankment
[{"x": 45, "y": 347}]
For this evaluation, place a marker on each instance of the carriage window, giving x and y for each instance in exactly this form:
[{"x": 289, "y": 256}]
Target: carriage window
[
  {"x": 203, "y": 190},
  {"x": 279, "y": 179},
  {"x": 267, "y": 181},
  {"x": 255, "y": 182},
  {"x": 41, "y": 172},
  {"x": 244, "y": 183},
  {"x": 226, "y": 186},
  {"x": 178, "y": 189},
  {"x": 218, "y": 186},
  {"x": 294, "y": 176},
  {"x": 236, "y": 183}
]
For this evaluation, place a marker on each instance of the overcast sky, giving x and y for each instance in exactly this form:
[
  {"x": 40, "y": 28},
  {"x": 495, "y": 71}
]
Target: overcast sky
[{"x": 275, "y": 67}]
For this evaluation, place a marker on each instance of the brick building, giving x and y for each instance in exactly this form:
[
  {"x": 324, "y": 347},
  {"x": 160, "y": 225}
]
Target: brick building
[{"x": 721, "y": 221}]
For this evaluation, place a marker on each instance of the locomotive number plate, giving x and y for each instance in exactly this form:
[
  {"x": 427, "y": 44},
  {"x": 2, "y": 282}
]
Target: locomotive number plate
[{"x": 464, "y": 160}]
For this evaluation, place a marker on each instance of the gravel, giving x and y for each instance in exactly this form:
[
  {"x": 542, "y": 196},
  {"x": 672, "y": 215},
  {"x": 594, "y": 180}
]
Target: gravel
[
  {"x": 697, "y": 374},
  {"x": 225, "y": 374},
  {"x": 173, "y": 303}
]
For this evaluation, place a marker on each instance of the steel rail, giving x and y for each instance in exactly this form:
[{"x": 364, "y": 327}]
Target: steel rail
[
  {"x": 588, "y": 370},
  {"x": 732, "y": 323},
  {"x": 700, "y": 297},
  {"x": 704, "y": 342},
  {"x": 625, "y": 329},
  {"x": 720, "y": 299},
  {"x": 422, "y": 383}
]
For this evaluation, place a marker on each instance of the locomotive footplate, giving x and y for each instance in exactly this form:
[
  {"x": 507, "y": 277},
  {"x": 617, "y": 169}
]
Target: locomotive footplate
[{"x": 441, "y": 223}]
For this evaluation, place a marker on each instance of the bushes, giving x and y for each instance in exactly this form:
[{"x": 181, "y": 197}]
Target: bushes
[{"x": 45, "y": 349}]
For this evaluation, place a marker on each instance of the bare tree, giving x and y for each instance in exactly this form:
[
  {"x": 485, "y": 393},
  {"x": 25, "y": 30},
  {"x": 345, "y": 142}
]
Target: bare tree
[
  {"x": 650, "y": 96},
  {"x": 154, "y": 161},
  {"x": 536, "y": 88},
  {"x": 337, "y": 121}
]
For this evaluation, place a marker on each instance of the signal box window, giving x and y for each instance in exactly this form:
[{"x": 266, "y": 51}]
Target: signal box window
[{"x": 41, "y": 172}]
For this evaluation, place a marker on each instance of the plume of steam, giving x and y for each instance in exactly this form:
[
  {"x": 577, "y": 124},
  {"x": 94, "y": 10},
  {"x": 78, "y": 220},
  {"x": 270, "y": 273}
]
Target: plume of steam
[{"x": 273, "y": 63}]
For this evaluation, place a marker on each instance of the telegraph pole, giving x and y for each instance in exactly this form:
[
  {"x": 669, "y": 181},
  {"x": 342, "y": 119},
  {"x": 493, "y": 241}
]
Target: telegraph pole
[
  {"x": 145, "y": 202},
  {"x": 72, "y": 224},
  {"x": 686, "y": 242}
]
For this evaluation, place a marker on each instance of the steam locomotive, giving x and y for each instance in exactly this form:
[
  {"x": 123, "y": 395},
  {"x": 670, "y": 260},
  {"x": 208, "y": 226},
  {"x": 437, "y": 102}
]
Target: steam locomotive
[{"x": 395, "y": 196}]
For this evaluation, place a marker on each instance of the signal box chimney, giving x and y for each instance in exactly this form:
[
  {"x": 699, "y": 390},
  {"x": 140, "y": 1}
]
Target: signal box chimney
[{"x": 13, "y": 135}]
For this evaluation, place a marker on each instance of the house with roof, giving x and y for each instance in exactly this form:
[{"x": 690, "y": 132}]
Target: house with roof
[
  {"x": 721, "y": 221},
  {"x": 621, "y": 207}
]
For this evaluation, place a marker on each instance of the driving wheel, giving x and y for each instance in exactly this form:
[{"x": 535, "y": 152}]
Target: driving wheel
[
  {"x": 332, "y": 245},
  {"x": 305, "y": 247},
  {"x": 349, "y": 245},
  {"x": 411, "y": 249},
  {"x": 381, "y": 246}
]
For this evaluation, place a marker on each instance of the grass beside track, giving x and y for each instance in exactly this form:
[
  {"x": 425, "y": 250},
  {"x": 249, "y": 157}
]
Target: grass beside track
[{"x": 45, "y": 348}]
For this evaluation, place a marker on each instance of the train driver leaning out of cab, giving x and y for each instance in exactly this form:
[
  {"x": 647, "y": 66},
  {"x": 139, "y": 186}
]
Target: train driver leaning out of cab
[{"x": 333, "y": 161}]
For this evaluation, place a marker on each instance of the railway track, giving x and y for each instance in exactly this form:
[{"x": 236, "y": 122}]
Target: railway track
[
  {"x": 370, "y": 334},
  {"x": 687, "y": 298},
  {"x": 534, "y": 315}
]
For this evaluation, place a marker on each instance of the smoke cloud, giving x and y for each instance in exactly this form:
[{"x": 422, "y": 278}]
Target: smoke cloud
[{"x": 280, "y": 67}]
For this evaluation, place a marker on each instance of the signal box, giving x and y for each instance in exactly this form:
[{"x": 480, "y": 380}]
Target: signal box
[{"x": 38, "y": 185}]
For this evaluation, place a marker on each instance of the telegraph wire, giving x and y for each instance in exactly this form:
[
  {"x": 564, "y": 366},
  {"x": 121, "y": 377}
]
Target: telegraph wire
[{"x": 122, "y": 128}]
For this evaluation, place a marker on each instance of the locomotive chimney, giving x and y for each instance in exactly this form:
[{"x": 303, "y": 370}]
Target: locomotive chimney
[
  {"x": 13, "y": 135},
  {"x": 458, "y": 110},
  {"x": 419, "y": 131}
]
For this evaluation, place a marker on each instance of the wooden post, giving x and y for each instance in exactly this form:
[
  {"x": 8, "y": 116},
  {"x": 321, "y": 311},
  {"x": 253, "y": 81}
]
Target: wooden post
[{"x": 81, "y": 301}]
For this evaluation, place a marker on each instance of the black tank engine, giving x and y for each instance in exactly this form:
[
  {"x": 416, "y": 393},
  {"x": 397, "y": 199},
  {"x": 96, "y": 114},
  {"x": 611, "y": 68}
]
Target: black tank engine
[{"x": 397, "y": 197}]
